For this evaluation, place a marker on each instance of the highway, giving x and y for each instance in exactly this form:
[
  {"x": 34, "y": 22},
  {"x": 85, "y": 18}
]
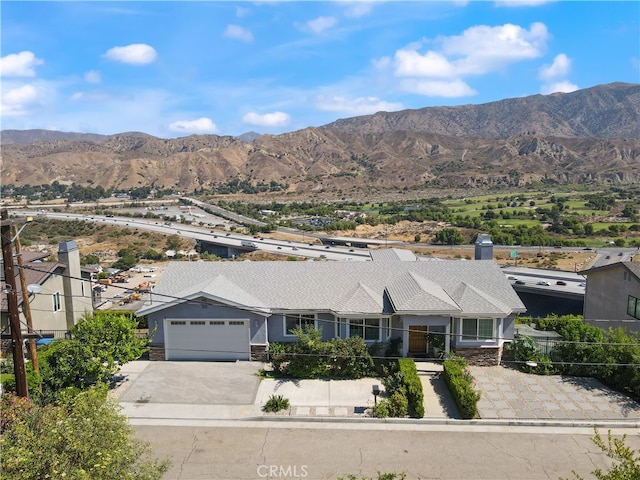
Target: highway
[{"x": 218, "y": 237}]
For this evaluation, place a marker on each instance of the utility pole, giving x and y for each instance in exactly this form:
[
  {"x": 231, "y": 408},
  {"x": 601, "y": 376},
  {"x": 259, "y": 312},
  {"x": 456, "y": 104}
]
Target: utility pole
[
  {"x": 26, "y": 307},
  {"x": 12, "y": 303}
]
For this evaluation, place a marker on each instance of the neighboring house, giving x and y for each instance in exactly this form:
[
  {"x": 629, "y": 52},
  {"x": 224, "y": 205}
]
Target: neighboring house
[
  {"x": 232, "y": 310},
  {"x": 62, "y": 290},
  {"x": 612, "y": 296}
]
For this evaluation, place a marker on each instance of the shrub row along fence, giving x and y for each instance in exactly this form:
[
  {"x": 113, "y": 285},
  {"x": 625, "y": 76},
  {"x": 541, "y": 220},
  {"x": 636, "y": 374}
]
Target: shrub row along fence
[{"x": 460, "y": 383}]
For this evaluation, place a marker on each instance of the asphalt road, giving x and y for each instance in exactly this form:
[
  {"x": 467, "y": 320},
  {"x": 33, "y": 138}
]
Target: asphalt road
[{"x": 329, "y": 451}]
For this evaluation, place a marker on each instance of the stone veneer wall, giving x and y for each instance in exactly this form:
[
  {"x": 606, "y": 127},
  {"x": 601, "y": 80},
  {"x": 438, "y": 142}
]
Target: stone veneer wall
[
  {"x": 156, "y": 352},
  {"x": 259, "y": 353},
  {"x": 482, "y": 357}
]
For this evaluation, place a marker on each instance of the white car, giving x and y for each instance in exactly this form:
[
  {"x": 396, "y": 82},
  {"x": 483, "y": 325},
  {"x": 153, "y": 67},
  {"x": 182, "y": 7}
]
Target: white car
[{"x": 546, "y": 284}]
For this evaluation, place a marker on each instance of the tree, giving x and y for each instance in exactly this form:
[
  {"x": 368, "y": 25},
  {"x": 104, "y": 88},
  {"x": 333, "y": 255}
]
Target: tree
[
  {"x": 626, "y": 462},
  {"x": 99, "y": 345},
  {"x": 449, "y": 236},
  {"x": 84, "y": 437},
  {"x": 174, "y": 242}
]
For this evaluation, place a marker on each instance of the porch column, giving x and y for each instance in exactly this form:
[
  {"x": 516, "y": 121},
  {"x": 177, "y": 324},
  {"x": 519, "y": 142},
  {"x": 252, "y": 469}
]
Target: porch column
[{"x": 447, "y": 336}]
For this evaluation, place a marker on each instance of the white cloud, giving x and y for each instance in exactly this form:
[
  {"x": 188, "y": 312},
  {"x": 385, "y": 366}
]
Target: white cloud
[
  {"x": 558, "y": 87},
  {"x": 409, "y": 63},
  {"x": 93, "y": 76},
  {"x": 482, "y": 49},
  {"x": 134, "y": 54},
  {"x": 275, "y": 119},
  {"x": 19, "y": 64},
  {"x": 17, "y": 101},
  {"x": 239, "y": 33},
  {"x": 438, "y": 88},
  {"x": 320, "y": 24},
  {"x": 559, "y": 68},
  {"x": 357, "y": 9},
  {"x": 201, "y": 125},
  {"x": 479, "y": 50},
  {"x": 356, "y": 106}
]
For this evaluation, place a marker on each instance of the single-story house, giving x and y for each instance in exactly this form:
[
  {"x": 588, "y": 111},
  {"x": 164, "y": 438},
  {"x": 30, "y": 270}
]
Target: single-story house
[
  {"x": 233, "y": 310},
  {"x": 612, "y": 296}
]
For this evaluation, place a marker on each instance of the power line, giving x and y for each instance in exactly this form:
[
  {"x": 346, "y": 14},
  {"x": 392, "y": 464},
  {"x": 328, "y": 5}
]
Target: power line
[{"x": 338, "y": 319}]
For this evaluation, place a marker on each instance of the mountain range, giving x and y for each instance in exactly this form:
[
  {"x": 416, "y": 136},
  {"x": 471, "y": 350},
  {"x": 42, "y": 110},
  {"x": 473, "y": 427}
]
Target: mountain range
[{"x": 590, "y": 135}]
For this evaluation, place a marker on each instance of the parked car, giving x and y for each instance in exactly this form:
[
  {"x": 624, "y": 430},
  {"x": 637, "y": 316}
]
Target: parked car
[
  {"x": 520, "y": 282},
  {"x": 546, "y": 284},
  {"x": 560, "y": 282}
]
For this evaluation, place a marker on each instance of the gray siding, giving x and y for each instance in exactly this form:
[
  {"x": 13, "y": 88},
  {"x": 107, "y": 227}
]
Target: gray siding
[
  {"x": 606, "y": 297},
  {"x": 201, "y": 310}
]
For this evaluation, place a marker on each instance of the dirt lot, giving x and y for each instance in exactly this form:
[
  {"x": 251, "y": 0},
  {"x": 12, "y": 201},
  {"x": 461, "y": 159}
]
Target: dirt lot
[{"x": 406, "y": 231}]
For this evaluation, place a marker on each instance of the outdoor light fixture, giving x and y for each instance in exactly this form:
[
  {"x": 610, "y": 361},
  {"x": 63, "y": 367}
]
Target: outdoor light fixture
[
  {"x": 531, "y": 364},
  {"x": 376, "y": 391}
]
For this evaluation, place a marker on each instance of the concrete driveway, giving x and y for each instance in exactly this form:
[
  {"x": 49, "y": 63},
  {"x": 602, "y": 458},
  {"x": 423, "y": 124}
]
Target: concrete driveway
[{"x": 189, "y": 383}]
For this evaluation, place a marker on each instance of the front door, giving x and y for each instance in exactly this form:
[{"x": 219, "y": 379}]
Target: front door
[{"x": 418, "y": 340}]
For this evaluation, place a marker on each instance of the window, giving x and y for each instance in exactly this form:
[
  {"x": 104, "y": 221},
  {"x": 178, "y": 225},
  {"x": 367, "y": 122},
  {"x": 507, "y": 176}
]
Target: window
[
  {"x": 236, "y": 322},
  {"x": 633, "y": 307},
  {"x": 178, "y": 322},
  {"x": 216, "y": 322},
  {"x": 57, "y": 306},
  {"x": 475, "y": 329},
  {"x": 198, "y": 322},
  {"x": 366, "y": 328},
  {"x": 301, "y": 320}
]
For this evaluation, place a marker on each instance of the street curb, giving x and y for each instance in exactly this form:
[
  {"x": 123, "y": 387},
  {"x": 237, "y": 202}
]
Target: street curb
[{"x": 457, "y": 422}]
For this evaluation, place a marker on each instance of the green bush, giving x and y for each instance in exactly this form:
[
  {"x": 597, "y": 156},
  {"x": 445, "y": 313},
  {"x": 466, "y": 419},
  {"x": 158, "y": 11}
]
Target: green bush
[
  {"x": 402, "y": 380},
  {"x": 310, "y": 357},
  {"x": 460, "y": 383},
  {"x": 276, "y": 403},
  {"x": 413, "y": 387},
  {"x": 350, "y": 358},
  {"x": 395, "y": 406}
]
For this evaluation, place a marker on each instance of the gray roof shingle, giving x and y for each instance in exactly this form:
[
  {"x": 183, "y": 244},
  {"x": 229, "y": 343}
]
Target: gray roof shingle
[{"x": 466, "y": 287}]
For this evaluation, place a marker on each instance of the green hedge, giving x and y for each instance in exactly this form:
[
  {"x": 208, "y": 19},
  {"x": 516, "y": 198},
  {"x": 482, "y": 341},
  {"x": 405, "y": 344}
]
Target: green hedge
[
  {"x": 460, "y": 383},
  {"x": 403, "y": 387},
  {"x": 413, "y": 387}
]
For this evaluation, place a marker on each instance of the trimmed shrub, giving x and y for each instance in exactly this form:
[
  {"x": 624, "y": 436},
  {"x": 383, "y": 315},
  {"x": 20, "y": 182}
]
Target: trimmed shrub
[
  {"x": 402, "y": 381},
  {"x": 394, "y": 406},
  {"x": 460, "y": 383},
  {"x": 413, "y": 387}
]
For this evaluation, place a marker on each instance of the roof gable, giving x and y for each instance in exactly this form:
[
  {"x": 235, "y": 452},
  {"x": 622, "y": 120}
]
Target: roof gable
[
  {"x": 631, "y": 267},
  {"x": 362, "y": 299},
  {"x": 472, "y": 299},
  {"x": 412, "y": 292}
]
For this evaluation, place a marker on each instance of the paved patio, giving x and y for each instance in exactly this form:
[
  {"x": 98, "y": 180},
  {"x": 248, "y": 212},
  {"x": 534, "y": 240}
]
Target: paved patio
[{"x": 510, "y": 394}]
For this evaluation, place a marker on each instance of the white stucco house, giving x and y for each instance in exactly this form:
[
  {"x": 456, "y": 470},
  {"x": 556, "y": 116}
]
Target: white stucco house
[{"x": 233, "y": 310}]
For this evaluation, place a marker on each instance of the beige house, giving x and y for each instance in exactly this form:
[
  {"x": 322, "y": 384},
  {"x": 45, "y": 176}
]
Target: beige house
[
  {"x": 59, "y": 293},
  {"x": 612, "y": 296}
]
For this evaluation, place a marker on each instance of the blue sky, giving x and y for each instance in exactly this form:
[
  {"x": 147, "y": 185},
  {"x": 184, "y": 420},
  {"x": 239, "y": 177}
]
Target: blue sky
[{"x": 173, "y": 69}]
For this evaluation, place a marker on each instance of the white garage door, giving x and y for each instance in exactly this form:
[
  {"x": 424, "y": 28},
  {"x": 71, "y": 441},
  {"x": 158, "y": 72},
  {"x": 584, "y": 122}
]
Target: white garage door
[{"x": 206, "y": 339}]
